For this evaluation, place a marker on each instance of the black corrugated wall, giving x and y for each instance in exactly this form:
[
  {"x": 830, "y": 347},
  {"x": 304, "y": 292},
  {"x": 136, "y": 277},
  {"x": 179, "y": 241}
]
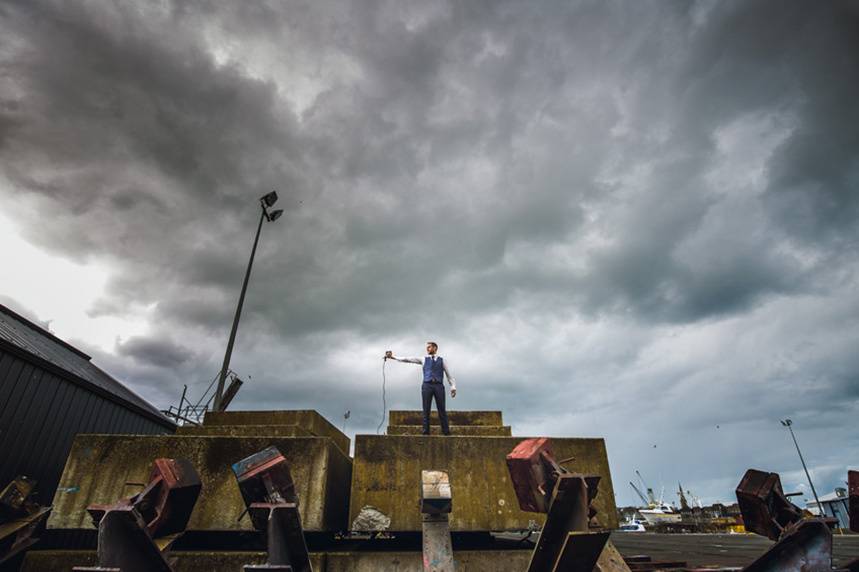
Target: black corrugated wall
[{"x": 40, "y": 414}]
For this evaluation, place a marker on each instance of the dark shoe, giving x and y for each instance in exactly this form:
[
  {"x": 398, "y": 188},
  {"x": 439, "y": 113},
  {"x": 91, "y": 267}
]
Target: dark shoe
[
  {"x": 447, "y": 434},
  {"x": 424, "y": 432}
]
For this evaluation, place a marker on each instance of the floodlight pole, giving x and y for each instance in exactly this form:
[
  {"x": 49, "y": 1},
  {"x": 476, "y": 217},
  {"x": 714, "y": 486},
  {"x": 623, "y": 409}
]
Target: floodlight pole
[
  {"x": 219, "y": 394},
  {"x": 788, "y": 423}
]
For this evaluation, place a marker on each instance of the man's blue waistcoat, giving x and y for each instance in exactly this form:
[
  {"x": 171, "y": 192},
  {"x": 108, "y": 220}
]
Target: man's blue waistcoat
[{"x": 433, "y": 369}]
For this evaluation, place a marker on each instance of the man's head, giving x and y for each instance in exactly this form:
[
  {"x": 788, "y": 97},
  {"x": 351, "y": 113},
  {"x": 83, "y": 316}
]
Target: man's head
[{"x": 432, "y": 348}]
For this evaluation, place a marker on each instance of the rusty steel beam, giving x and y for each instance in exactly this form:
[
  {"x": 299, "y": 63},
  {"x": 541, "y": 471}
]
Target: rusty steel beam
[
  {"x": 568, "y": 512},
  {"x": 543, "y": 485},
  {"x": 268, "y": 490},
  {"x": 533, "y": 473},
  {"x": 853, "y": 492},
  {"x": 807, "y": 547},
  {"x": 167, "y": 501},
  {"x": 125, "y": 545},
  {"x": 581, "y": 551},
  {"x": 20, "y": 517},
  {"x": 764, "y": 506},
  {"x": 128, "y": 529}
]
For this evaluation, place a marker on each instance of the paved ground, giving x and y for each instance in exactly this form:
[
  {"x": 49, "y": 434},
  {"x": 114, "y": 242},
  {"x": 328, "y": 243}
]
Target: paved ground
[{"x": 715, "y": 549}]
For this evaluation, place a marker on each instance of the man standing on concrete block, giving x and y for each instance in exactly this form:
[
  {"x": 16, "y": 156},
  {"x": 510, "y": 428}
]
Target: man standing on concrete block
[{"x": 435, "y": 369}]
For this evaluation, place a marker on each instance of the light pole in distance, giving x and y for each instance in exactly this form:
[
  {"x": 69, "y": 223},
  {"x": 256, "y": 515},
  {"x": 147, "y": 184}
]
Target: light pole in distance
[
  {"x": 265, "y": 202},
  {"x": 789, "y": 424}
]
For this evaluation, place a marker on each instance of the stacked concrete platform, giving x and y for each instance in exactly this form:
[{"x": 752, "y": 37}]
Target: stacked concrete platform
[
  {"x": 332, "y": 487},
  {"x": 103, "y": 468},
  {"x": 386, "y": 470}
]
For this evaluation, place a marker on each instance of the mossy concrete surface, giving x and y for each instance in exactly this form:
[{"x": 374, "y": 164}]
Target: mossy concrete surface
[
  {"x": 480, "y": 430},
  {"x": 104, "y": 468},
  {"x": 387, "y": 469},
  {"x": 245, "y": 430},
  {"x": 305, "y": 418},
  {"x": 465, "y": 561},
  {"x": 65, "y": 560},
  {"x": 453, "y": 417}
]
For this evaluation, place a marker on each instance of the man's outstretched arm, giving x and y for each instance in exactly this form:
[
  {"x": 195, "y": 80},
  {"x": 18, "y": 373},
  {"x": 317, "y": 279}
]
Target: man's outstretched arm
[{"x": 390, "y": 355}]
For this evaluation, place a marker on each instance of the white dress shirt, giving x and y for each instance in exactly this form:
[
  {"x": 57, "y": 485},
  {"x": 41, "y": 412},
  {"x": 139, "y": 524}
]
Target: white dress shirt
[{"x": 420, "y": 361}]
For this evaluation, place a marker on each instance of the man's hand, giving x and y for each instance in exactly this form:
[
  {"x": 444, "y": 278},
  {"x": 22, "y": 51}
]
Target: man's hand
[
  {"x": 452, "y": 392},
  {"x": 389, "y": 354}
]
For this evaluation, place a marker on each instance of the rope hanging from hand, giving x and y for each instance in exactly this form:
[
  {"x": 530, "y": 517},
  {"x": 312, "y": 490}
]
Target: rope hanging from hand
[{"x": 384, "y": 404}]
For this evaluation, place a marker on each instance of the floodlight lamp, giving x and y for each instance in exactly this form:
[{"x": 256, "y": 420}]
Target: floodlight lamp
[
  {"x": 787, "y": 422},
  {"x": 269, "y": 199},
  {"x": 274, "y": 215}
]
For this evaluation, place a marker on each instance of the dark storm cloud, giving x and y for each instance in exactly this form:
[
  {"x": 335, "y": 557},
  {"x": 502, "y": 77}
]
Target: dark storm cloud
[
  {"x": 159, "y": 351},
  {"x": 599, "y": 207}
]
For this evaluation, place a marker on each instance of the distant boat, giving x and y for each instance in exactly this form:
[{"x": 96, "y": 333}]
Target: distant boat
[
  {"x": 633, "y": 526},
  {"x": 657, "y": 511},
  {"x": 659, "y": 514}
]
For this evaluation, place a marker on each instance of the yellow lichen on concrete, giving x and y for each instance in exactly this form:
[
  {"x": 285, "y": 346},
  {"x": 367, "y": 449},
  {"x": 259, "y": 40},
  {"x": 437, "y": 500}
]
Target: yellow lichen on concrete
[
  {"x": 472, "y": 430},
  {"x": 465, "y": 561},
  {"x": 386, "y": 475},
  {"x": 305, "y": 418},
  {"x": 101, "y": 469},
  {"x": 246, "y": 430},
  {"x": 453, "y": 417}
]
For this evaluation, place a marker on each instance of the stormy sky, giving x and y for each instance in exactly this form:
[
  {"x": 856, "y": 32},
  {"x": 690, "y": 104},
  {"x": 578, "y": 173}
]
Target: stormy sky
[{"x": 634, "y": 220}]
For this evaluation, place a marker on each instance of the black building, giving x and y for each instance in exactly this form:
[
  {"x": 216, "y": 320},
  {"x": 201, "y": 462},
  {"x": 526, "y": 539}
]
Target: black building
[{"x": 49, "y": 392}]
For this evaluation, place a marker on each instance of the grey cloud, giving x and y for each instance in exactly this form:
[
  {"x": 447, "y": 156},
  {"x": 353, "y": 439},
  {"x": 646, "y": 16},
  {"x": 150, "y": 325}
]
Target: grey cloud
[{"x": 160, "y": 351}]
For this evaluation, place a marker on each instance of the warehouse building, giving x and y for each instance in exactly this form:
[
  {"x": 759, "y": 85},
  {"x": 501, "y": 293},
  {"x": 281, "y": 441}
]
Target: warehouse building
[{"x": 49, "y": 392}]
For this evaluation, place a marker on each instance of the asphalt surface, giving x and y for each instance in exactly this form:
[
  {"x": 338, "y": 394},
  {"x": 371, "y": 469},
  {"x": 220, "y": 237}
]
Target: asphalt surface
[{"x": 716, "y": 549}]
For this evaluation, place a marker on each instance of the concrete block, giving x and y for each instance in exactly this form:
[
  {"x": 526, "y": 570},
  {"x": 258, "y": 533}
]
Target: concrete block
[
  {"x": 387, "y": 473},
  {"x": 306, "y": 419},
  {"x": 101, "y": 468},
  {"x": 65, "y": 560},
  {"x": 465, "y": 561},
  {"x": 453, "y": 417},
  {"x": 245, "y": 430},
  {"x": 471, "y": 430}
]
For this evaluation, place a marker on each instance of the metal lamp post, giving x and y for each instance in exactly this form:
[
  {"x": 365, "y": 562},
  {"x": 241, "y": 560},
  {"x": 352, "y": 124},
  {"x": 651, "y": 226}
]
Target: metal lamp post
[
  {"x": 265, "y": 202},
  {"x": 788, "y": 423}
]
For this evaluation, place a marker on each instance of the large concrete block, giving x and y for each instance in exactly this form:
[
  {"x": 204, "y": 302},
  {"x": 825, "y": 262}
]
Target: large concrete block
[
  {"x": 465, "y": 561},
  {"x": 304, "y": 418},
  {"x": 245, "y": 430},
  {"x": 387, "y": 469},
  {"x": 104, "y": 468},
  {"x": 65, "y": 560},
  {"x": 471, "y": 430},
  {"x": 454, "y": 417}
]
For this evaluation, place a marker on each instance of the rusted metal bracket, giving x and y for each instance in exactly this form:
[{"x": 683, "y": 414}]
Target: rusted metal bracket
[
  {"x": 764, "y": 506},
  {"x": 19, "y": 517},
  {"x": 803, "y": 545},
  {"x": 853, "y": 499},
  {"x": 124, "y": 544},
  {"x": 543, "y": 485},
  {"x": 134, "y": 532},
  {"x": 533, "y": 471},
  {"x": 268, "y": 490},
  {"x": 806, "y": 547},
  {"x": 436, "y": 505},
  {"x": 166, "y": 502},
  {"x": 853, "y": 508}
]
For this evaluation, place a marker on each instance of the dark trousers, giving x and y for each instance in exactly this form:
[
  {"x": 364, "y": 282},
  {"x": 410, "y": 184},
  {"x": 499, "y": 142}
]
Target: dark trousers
[{"x": 428, "y": 392}]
